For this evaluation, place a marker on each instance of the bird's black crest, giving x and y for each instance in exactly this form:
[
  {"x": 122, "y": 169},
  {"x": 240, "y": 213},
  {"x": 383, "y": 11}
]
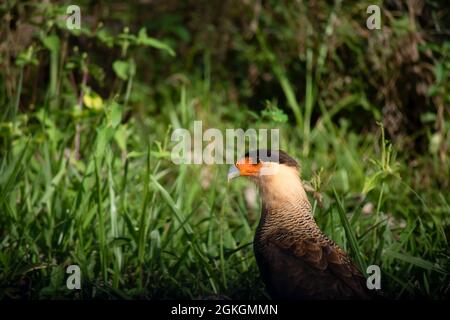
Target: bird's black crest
[{"x": 269, "y": 155}]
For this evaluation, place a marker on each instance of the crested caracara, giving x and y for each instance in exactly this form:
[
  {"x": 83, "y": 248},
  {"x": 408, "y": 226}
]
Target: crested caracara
[{"x": 296, "y": 260}]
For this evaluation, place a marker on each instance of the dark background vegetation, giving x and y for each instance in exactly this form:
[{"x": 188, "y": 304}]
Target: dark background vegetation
[{"x": 86, "y": 118}]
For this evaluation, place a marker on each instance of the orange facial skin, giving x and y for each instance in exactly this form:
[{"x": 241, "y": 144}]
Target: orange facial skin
[{"x": 248, "y": 167}]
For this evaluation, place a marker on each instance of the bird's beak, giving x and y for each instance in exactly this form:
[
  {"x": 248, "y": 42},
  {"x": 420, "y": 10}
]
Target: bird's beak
[{"x": 233, "y": 172}]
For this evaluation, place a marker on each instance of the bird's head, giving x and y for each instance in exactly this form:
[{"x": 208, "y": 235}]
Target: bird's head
[
  {"x": 274, "y": 171},
  {"x": 259, "y": 163}
]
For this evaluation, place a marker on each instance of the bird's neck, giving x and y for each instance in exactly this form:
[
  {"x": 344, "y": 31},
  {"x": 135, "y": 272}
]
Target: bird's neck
[{"x": 284, "y": 200}]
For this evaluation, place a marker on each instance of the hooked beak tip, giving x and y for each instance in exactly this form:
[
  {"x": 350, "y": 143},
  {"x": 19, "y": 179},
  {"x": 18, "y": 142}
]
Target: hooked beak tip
[{"x": 233, "y": 172}]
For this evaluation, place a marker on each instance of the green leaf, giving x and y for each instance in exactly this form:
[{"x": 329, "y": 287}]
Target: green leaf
[
  {"x": 105, "y": 135},
  {"x": 275, "y": 114},
  {"x": 135, "y": 154},
  {"x": 27, "y": 57},
  {"x": 124, "y": 69},
  {"x": 428, "y": 117},
  {"x": 439, "y": 72},
  {"x": 120, "y": 137},
  {"x": 116, "y": 114},
  {"x": 7, "y": 178},
  {"x": 121, "y": 69},
  {"x": 351, "y": 237},
  {"x": 416, "y": 261},
  {"x": 105, "y": 37},
  {"x": 372, "y": 182},
  {"x": 145, "y": 40},
  {"x": 51, "y": 42}
]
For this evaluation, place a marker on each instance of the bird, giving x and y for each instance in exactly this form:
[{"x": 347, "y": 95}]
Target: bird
[{"x": 296, "y": 260}]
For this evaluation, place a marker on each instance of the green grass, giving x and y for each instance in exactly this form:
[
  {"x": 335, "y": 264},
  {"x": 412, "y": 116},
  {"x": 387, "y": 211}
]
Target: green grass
[{"x": 142, "y": 227}]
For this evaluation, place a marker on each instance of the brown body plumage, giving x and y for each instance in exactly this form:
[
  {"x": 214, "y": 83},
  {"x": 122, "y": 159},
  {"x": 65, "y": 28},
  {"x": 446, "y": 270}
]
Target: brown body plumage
[{"x": 296, "y": 259}]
